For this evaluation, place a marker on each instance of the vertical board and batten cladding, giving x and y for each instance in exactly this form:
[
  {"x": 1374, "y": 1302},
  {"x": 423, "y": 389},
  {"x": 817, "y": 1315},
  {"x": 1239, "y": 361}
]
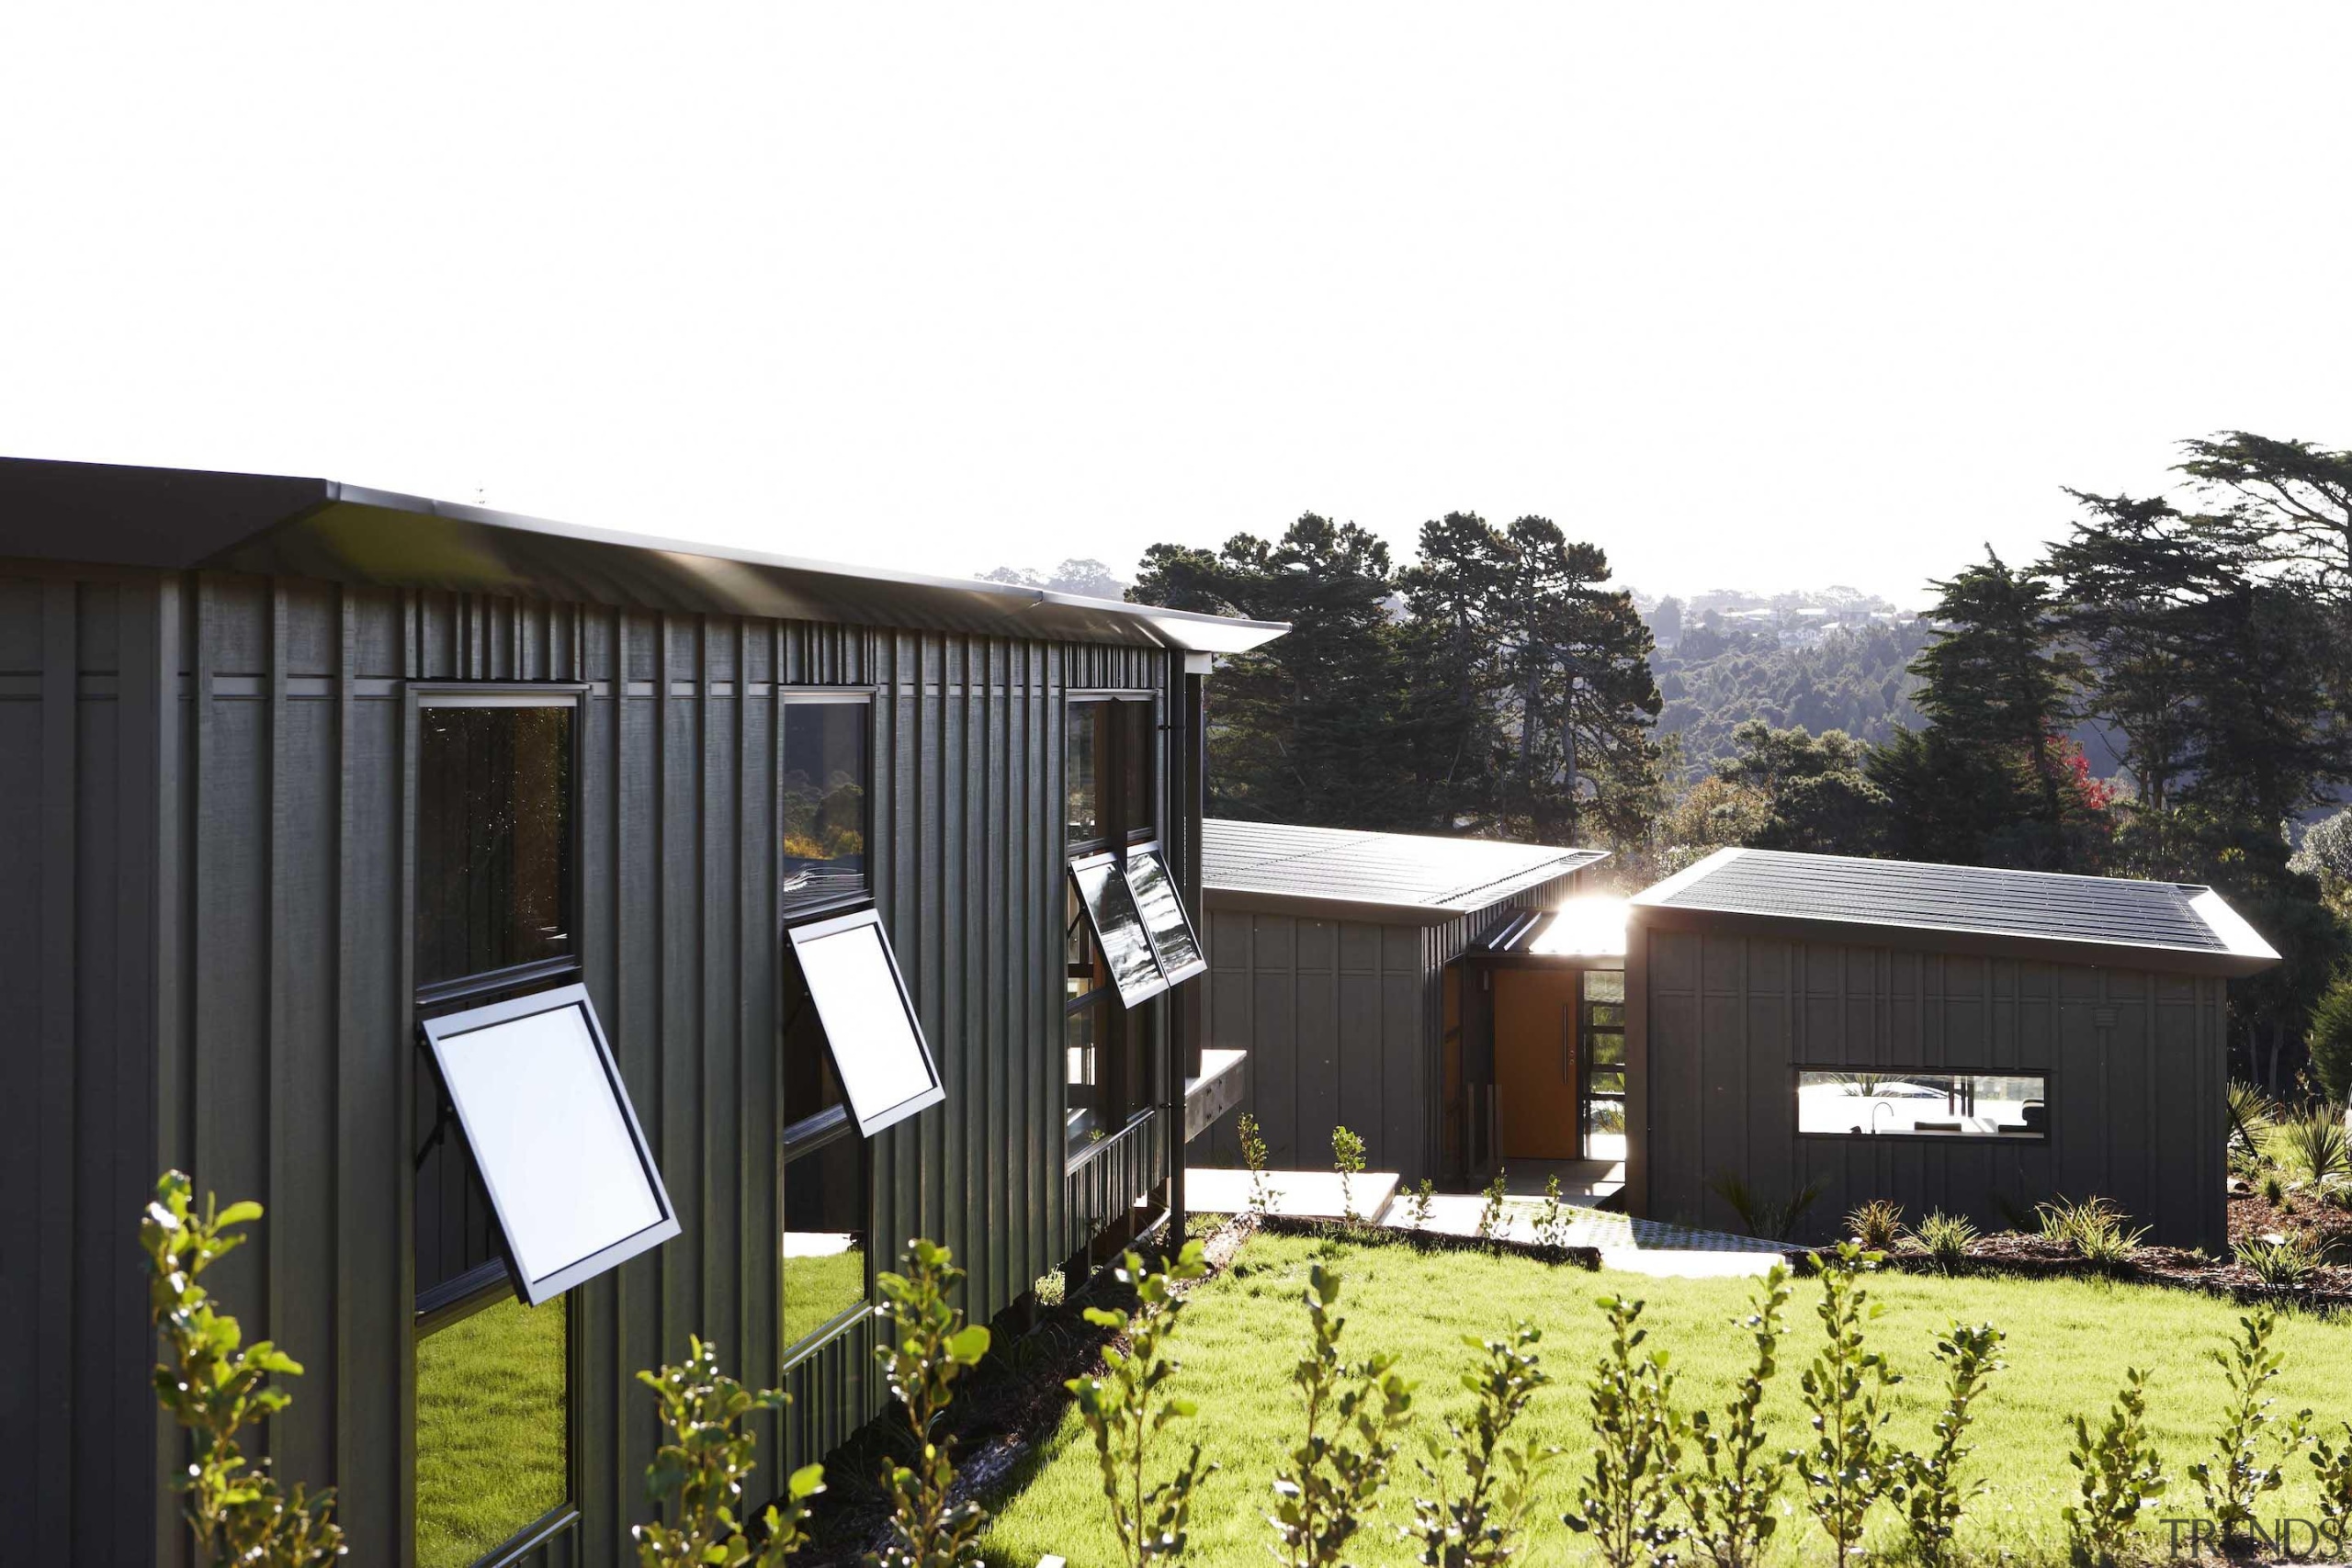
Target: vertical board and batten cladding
[
  {"x": 2135, "y": 1061},
  {"x": 1342, "y": 1020},
  {"x": 202, "y": 940}
]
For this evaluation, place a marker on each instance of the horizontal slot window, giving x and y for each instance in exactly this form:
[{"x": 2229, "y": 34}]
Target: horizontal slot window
[
  {"x": 1162, "y": 911},
  {"x": 1877, "y": 1102},
  {"x": 877, "y": 1047},
  {"x": 570, "y": 1178},
  {"x": 1119, "y": 932}
]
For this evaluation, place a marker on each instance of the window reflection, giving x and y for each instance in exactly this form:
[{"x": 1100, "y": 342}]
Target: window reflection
[
  {"x": 826, "y": 775},
  {"x": 824, "y": 1235},
  {"x": 493, "y": 854},
  {"x": 1866, "y": 1102},
  {"x": 490, "y": 1438},
  {"x": 1081, "y": 765}
]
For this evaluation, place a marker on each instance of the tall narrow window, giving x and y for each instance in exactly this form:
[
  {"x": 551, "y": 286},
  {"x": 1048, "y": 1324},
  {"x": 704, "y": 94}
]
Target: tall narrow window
[
  {"x": 827, "y": 814},
  {"x": 530, "y": 1171}
]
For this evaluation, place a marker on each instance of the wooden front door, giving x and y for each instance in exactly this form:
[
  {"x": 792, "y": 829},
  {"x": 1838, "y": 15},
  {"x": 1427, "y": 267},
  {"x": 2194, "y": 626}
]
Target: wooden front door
[{"x": 1536, "y": 1064}]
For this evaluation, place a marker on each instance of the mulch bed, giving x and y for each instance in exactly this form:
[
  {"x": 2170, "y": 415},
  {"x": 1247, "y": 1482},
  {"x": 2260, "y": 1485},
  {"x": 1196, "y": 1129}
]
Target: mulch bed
[
  {"x": 2024, "y": 1255},
  {"x": 1429, "y": 1241}
]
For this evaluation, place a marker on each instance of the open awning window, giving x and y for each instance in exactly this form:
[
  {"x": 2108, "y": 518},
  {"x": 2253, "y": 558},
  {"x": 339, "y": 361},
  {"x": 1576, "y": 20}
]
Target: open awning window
[
  {"x": 1173, "y": 941},
  {"x": 569, "y": 1177},
  {"x": 868, "y": 1020},
  {"x": 1119, "y": 932}
]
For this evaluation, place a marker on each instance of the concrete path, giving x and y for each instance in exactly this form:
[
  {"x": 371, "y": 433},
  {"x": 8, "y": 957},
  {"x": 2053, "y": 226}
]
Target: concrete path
[
  {"x": 1636, "y": 1247},
  {"x": 1295, "y": 1195}
]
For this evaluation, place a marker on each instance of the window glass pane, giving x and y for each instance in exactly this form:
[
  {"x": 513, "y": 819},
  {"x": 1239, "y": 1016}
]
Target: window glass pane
[
  {"x": 810, "y": 1084},
  {"x": 1127, "y": 947},
  {"x": 854, "y": 985},
  {"x": 455, "y": 1229},
  {"x": 1080, "y": 1036},
  {"x": 1605, "y": 1048},
  {"x": 1609, "y": 1082},
  {"x": 1863, "y": 1102},
  {"x": 1136, "y": 761},
  {"x": 1605, "y": 1015},
  {"x": 1081, "y": 767},
  {"x": 545, "y": 1126},
  {"x": 1083, "y": 967},
  {"x": 1163, "y": 916},
  {"x": 493, "y": 852},
  {"x": 490, "y": 1431},
  {"x": 1138, "y": 1037},
  {"x": 825, "y": 781},
  {"x": 824, "y": 1235},
  {"x": 1604, "y": 985}
]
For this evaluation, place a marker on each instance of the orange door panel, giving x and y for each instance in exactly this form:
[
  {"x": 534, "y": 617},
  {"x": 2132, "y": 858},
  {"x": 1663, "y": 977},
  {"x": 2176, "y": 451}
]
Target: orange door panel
[{"x": 1535, "y": 1063}]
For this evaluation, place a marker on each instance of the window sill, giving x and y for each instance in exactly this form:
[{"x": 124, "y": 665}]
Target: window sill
[{"x": 1928, "y": 1137}]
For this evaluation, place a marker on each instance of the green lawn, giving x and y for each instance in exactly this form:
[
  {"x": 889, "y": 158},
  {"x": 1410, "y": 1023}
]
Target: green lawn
[
  {"x": 2068, "y": 1342},
  {"x": 490, "y": 1430}
]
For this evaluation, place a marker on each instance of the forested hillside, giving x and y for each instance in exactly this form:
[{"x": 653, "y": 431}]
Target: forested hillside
[{"x": 1852, "y": 678}]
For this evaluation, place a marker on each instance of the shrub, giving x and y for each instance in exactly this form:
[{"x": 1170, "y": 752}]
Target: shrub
[
  {"x": 215, "y": 1387},
  {"x": 1419, "y": 1206},
  {"x": 927, "y": 1345},
  {"x": 1128, "y": 1405},
  {"x": 1850, "y": 1464},
  {"x": 1945, "y": 1238},
  {"x": 2237, "y": 1480},
  {"x": 2121, "y": 1475},
  {"x": 2335, "y": 1466},
  {"x": 2331, "y": 1040},
  {"x": 1772, "y": 1220},
  {"x": 1480, "y": 1527},
  {"x": 1494, "y": 1217},
  {"x": 2252, "y": 1111},
  {"x": 702, "y": 1468},
  {"x": 1622, "y": 1504},
  {"x": 1354, "y": 1415},
  {"x": 1346, "y": 1158},
  {"x": 1253, "y": 1155},
  {"x": 1927, "y": 1485},
  {"x": 1552, "y": 1220},
  {"x": 2279, "y": 1260},
  {"x": 1876, "y": 1224},
  {"x": 2095, "y": 1229},
  {"x": 2312, "y": 1144},
  {"x": 2273, "y": 1187},
  {"x": 1729, "y": 1494}
]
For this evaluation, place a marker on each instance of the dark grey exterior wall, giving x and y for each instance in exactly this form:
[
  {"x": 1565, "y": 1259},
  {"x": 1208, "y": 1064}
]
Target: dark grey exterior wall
[
  {"x": 2136, "y": 1063},
  {"x": 1342, "y": 1020},
  {"x": 204, "y": 964}
]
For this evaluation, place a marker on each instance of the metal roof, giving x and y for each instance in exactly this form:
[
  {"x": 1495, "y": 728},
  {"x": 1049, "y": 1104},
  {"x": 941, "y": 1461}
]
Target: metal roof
[
  {"x": 1590, "y": 926},
  {"x": 2086, "y": 917},
  {"x": 1403, "y": 872},
  {"x": 182, "y": 518}
]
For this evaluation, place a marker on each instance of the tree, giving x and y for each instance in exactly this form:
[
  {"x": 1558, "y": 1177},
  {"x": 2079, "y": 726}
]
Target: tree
[
  {"x": 1998, "y": 688},
  {"x": 1817, "y": 796},
  {"x": 1666, "y": 621},
  {"x": 1302, "y": 730},
  {"x": 2298, "y": 495}
]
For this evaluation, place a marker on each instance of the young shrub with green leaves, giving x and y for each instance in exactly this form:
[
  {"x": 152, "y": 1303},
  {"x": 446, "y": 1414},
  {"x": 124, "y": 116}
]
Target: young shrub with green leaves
[
  {"x": 1875, "y": 1225},
  {"x": 1480, "y": 1527},
  {"x": 1850, "y": 1464},
  {"x": 928, "y": 1346},
  {"x": 1346, "y": 1158},
  {"x": 1927, "y": 1485},
  {"x": 2236, "y": 1479},
  {"x": 1253, "y": 1155},
  {"x": 2279, "y": 1260},
  {"x": 2312, "y": 1144},
  {"x": 1128, "y": 1405},
  {"x": 215, "y": 1387},
  {"x": 2121, "y": 1475},
  {"x": 1622, "y": 1504},
  {"x": 1494, "y": 1215},
  {"x": 1552, "y": 1220},
  {"x": 701, "y": 1470},
  {"x": 2098, "y": 1232},
  {"x": 1419, "y": 1208},
  {"x": 1355, "y": 1415},
  {"x": 1730, "y": 1492},
  {"x": 2335, "y": 1466}
]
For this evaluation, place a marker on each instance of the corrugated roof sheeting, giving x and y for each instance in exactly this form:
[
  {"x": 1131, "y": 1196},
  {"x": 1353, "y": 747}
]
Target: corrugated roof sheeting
[
  {"x": 1343, "y": 866},
  {"x": 2040, "y": 905}
]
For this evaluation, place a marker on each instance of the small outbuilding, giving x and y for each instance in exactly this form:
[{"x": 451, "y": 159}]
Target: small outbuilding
[
  {"x": 1949, "y": 1037},
  {"x": 1333, "y": 964}
]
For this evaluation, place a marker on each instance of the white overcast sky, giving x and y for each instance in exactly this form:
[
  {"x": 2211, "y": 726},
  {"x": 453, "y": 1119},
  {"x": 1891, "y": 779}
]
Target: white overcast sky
[{"x": 1753, "y": 294}]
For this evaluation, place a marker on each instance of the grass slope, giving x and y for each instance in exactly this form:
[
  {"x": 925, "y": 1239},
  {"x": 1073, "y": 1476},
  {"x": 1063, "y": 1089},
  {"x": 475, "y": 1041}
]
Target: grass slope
[
  {"x": 490, "y": 1431},
  {"x": 2068, "y": 1342}
]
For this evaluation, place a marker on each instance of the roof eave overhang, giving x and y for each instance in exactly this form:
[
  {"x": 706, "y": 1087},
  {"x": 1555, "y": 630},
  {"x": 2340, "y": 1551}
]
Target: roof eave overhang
[
  {"x": 1382, "y": 911},
  {"x": 1941, "y": 939}
]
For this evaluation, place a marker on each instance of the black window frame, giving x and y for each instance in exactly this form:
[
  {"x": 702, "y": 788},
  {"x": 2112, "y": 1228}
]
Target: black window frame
[
  {"x": 788, "y": 698},
  {"x": 487, "y": 1284},
  {"x": 2029, "y": 1135}
]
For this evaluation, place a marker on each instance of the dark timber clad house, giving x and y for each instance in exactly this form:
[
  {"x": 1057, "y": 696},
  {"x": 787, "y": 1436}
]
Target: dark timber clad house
[
  {"x": 1945, "y": 1036},
  {"x": 1334, "y": 967},
  {"x": 657, "y": 934}
]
